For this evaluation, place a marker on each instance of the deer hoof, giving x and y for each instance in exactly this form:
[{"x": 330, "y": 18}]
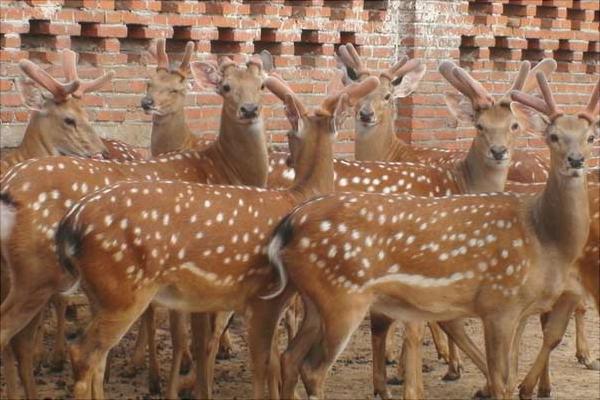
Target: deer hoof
[
  {"x": 594, "y": 365},
  {"x": 427, "y": 368},
  {"x": 451, "y": 376},
  {"x": 544, "y": 392},
  {"x": 395, "y": 381},
  {"x": 482, "y": 394},
  {"x": 525, "y": 393}
]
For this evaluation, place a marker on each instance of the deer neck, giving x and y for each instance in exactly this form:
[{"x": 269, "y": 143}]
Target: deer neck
[
  {"x": 378, "y": 143},
  {"x": 34, "y": 143},
  {"x": 561, "y": 216},
  {"x": 476, "y": 176},
  {"x": 242, "y": 149},
  {"x": 314, "y": 170},
  {"x": 169, "y": 133}
]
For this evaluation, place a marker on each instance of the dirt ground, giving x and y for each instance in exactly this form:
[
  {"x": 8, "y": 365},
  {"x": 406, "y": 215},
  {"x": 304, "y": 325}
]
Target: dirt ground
[{"x": 351, "y": 375}]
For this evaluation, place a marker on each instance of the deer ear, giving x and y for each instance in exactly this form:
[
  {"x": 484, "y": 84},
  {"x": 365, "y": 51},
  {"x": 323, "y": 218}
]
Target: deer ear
[
  {"x": 206, "y": 74},
  {"x": 267, "y": 61},
  {"x": 528, "y": 118},
  {"x": 341, "y": 112},
  {"x": 31, "y": 94},
  {"x": 409, "y": 82},
  {"x": 460, "y": 107}
]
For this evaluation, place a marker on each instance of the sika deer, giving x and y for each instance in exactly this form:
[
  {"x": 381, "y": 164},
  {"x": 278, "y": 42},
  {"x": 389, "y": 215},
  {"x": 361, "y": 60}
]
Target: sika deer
[
  {"x": 239, "y": 156},
  {"x": 165, "y": 101},
  {"x": 375, "y": 138},
  {"x": 208, "y": 258},
  {"x": 435, "y": 259},
  {"x": 58, "y": 125}
]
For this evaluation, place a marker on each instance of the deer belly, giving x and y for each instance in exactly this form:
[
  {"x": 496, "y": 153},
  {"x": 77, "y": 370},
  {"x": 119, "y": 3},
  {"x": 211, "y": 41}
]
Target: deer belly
[
  {"x": 428, "y": 310},
  {"x": 183, "y": 299}
]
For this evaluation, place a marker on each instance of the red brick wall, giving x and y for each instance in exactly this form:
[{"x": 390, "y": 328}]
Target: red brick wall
[{"x": 491, "y": 37}]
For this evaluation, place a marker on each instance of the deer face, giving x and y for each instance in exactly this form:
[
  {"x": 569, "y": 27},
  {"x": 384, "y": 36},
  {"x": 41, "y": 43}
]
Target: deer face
[
  {"x": 165, "y": 93},
  {"x": 570, "y": 140},
  {"x": 241, "y": 87},
  {"x": 496, "y": 128},
  {"x": 373, "y": 109},
  {"x": 62, "y": 126}
]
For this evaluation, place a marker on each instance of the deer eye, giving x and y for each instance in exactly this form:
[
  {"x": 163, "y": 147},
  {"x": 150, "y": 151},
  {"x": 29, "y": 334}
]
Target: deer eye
[
  {"x": 262, "y": 86},
  {"x": 514, "y": 127},
  {"x": 591, "y": 139},
  {"x": 174, "y": 91},
  {"x": 479, "y": 127},
  {"x": 553, "y": 138},
  {"x": 69, "y": 121},
  {"x": 387, "y": 96},
  {"x": 226, "y": 88}
]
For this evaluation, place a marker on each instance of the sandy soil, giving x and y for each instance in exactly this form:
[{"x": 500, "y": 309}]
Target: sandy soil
[{"x": 351, "y": 375}]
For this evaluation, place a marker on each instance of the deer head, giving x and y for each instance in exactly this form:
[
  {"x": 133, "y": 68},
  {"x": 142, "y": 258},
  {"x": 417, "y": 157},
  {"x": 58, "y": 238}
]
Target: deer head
[
  {"x": 569, "y": 137},
  {"x": 496, "y": 125},
  {"x": 166, "y": 90},
  {"x": 399, "y": 81},
  {"x": 310, "y": 128},
  {"x": 241, "y": 88},
  {"x": 59, "y": 122}
]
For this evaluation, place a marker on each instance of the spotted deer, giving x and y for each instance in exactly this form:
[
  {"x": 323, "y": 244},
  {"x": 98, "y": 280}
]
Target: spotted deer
[
  {"x": 499, "y": 257},
  {"x": 239, "y": 156},
  {"x": 58, "y": 125},
  {"x": 375, "y": 138},
  {"x": 212, "y": 242},
  {"x": 165, "y": 101}
]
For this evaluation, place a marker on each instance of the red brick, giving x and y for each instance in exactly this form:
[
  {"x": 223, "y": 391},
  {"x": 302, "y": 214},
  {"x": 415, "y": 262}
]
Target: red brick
[{"x": 103, "y": 30}]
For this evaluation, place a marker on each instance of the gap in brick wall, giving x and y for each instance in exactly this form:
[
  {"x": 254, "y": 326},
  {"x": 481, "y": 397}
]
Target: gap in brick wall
[
  {"x": 272, "y": 47},
  {"x": 480, "y": 8},
  {"x": 224, "y": 48},
  {"x": 338, "y": 3},
  {"x": 301, "y": 3},
  {"x": 137, "y": 50},
  {"x": 86, "y": 44},
  {"x": 348, "y": 37},
  {"x": 375, "y": 4}
]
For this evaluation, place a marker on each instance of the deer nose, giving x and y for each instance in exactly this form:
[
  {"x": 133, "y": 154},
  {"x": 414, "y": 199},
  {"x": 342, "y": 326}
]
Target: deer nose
[
  {"x": 498, "y": 152},
  {"x": 147, "y": 103},
  {"x": 576, "y": 160},
  {"x": 366, "y": 116},
  {"x": 249, "y": 110}
]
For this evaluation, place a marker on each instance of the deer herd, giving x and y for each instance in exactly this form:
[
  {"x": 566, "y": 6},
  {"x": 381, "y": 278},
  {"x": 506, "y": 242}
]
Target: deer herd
[{"x": 206, "y": 229}]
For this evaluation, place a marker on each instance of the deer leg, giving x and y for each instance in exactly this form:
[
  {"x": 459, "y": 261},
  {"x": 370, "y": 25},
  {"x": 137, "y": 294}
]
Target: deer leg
[
  {"x": 390, "y": 344},
  {"x": 413, "y": 359},
  {"x": 262, "y": 326},
  {"x": 439, "y": 341},
  {"x": 207, "y": 330},
  {"x": 581, "y": 342},
  {"x": 225, "y": 346},
  {"x": 339, "y": 321},
  {"x": 88, "y": 356},
  {"x": 138, "y": 359},
  {"x": 554, "y": 323},
  {"x": 308, "y": 334},
  {"x": 514, "y": 368},
  {"x": 179, "y": 343},
  {"x": 380, "y": 326},
  {"x": 292, "y": 318},
  {"x": 10, "y": 373},
  {"x": 58, "y": 357},
  {"x": 455, "y": 329},
  {"x": 21, "y": 346},
  {"x": 19, "y": 308},
  {"x": 499, "y": 332},
  {"x": 454, "y": 362},
  {"x": 153, "y": 368}
]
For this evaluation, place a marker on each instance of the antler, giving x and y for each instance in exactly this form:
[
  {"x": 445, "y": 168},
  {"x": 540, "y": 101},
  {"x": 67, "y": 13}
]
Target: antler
[
  {"x": 70, "y": 70},
  {"x": 255, "y": 62},
  {"x": 160, "y": 54},
  {"x": 351, "y": 59},
  {"x": 547, "y": 105},
  {"x": 60, "y": 91},
  {"x": 466, "y": 84},
  {"x": 354, "y": 92},
  {"x": 593, "y": 106},
  {"x": 280, "y": 89},
  {"x": 546, "y": 66},
  {"x": 185, "y": 61},
  {"x": 401, "y": 68}
]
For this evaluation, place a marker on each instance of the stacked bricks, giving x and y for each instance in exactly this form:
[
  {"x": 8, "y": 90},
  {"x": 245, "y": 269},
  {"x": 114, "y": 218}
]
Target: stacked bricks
[{"x": 490, "y": 37}]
